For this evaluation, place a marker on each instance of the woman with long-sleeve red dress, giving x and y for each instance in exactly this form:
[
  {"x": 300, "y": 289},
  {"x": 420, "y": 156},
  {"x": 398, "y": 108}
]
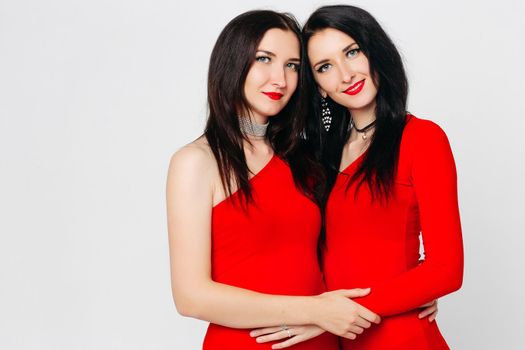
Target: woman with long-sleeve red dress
[{"x": 392, "y": 179}]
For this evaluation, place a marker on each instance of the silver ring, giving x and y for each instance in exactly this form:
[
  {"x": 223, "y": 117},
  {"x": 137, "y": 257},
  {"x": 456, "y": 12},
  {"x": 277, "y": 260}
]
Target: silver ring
[
  {"x": 289, "y": 333},
  {"x": 284, "y": 327}
]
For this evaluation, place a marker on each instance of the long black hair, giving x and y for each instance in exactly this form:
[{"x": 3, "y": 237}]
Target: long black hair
[
  {"x": 378, "y": 167},
  {"x": 231, "y": 59}
]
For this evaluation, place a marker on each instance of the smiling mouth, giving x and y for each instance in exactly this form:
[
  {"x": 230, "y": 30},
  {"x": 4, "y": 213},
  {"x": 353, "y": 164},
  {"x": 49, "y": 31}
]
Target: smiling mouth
[
  {"x": 355, "y": 88},
  {"x": 274, "y": 95}
]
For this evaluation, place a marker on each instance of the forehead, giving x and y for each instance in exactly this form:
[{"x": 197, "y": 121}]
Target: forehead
[
  {"x": 280, "y": 42},
  {"x": 327, "y": 42}
]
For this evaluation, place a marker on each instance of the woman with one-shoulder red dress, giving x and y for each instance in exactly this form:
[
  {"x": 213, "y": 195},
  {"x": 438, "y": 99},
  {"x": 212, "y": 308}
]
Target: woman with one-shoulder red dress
[{"x": 243, "y": 214}]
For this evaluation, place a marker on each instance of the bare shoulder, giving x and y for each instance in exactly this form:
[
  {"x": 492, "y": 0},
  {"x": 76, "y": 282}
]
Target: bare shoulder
[{"x": 193, "y": 161}]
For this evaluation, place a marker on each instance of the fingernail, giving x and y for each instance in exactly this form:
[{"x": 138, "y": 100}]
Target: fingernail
[
  {"x": 420, "y": 315},
  {"x": 253, "y": 334}
]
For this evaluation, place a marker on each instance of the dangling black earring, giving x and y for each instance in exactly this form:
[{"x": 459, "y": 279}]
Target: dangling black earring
[{"x": 326, "y": 116}]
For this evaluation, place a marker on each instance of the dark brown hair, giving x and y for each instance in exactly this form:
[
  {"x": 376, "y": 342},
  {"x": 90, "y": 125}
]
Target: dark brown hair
[{"x": 231, "y": 59}]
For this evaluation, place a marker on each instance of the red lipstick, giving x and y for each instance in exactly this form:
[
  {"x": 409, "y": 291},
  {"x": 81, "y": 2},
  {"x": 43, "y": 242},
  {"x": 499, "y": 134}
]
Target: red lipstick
[
  {"x": 355, "y": 88},
  {"x": 274, "y": 95}
]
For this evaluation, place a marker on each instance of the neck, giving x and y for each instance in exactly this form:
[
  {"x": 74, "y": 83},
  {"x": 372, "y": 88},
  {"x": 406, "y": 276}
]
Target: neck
[
  {"x": 364, "y": 120},
  {"x": 252, "y": 129},
  {"x": 363, "y": 116},
  {"x": 255, "y": 117},
  {"x": 257, "y": 146},
  {"x": 259, "y": 119}
]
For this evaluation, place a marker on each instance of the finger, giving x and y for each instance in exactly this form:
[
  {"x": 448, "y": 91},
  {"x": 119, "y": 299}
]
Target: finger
[
  {"x": 433, "y": 316},
  {"x": 288, "y": 342},
  {"x": 423, "y": 313},
  {"x": 355, "y": 329},
  {"x": 349, "y": 335},
  {"x": 427, "y": 311},
  {"x": 275, "y": 336},
  {"x": 355, "y": 293},
  {"x": 263, "y": 331},
  {"x": 368, "y": 315},
  {"x": 430, "y": 303},
  {"x": 361, "y": 322}
]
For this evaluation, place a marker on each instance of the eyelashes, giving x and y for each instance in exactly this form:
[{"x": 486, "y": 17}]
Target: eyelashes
[
  {"x": 293, "y": 66},
  {"x": 263, "y": 59},
  {"x": 267, "y": 59},
  {"x": 351, "y": 53},
  {"x": 323, "y": 68}
]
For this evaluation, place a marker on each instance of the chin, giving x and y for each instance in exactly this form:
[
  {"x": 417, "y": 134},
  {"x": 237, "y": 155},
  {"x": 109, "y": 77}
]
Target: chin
[
  {"x": 359, "y": 104},
  {"x": 271, "y": 111}
]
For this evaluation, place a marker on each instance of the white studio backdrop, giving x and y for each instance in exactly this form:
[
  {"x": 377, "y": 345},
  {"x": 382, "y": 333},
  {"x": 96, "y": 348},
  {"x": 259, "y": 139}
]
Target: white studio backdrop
[{"x": 96, "y": 96}]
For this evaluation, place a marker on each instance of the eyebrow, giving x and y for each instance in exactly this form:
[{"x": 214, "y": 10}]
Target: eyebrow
[
  {"x": 343, "y": 50},
  {"x": 269, "y": 53}
]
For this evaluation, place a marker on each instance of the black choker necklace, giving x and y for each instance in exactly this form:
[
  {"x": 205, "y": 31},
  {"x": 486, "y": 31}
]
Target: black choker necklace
[{"x": 363, "y": 130}]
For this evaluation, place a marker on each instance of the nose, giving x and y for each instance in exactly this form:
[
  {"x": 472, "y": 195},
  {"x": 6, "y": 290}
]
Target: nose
[
  {"x": 278, "y": 77},
  {"x": 347, "y": 72}
]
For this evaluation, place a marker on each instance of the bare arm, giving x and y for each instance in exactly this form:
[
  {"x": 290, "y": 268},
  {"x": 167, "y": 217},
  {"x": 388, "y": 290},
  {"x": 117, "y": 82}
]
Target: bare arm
[{"x": 191, "y": 178}]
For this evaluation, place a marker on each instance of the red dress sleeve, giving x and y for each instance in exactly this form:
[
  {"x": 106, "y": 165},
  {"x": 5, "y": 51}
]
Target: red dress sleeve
[{"x": 433, "y": 176}]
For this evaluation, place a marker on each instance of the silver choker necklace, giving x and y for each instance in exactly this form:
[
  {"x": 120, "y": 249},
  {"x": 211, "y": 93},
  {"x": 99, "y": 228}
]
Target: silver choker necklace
[{"x": 252, "y": 129}]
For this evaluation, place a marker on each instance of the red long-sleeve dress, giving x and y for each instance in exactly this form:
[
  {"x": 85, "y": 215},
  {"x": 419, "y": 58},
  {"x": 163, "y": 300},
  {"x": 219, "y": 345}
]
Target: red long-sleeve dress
[
  {"x": 270, "y": 248},
  {"x": 370, "y": 244}
]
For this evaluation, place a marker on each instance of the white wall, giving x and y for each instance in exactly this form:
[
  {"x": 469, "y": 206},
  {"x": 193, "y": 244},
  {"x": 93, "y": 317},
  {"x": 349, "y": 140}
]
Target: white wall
[{"x": 96, "y": 95}]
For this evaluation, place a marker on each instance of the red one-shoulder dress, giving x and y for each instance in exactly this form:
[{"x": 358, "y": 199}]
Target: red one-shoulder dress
[
  {"x": 271, "y": 247},
  {"x": 373, "y": 244}
]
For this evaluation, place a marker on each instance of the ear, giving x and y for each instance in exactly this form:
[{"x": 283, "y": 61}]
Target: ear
[{"x": 322, "y": 92}]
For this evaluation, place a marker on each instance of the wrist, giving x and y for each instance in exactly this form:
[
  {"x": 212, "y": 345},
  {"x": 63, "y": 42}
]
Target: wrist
[{"x": 314, "y": 310}]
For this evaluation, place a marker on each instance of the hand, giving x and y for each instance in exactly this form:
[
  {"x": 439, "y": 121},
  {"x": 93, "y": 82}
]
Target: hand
[
  {"x": 340, "y": 315},
  {"x": 431, "y": 310},
  {"x": 295, "y": 335}
]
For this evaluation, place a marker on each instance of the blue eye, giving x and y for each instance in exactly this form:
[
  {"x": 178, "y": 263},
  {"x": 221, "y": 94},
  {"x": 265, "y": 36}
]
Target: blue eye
[
  {"x": 353, "y": 52},
  {"x": 263, "y": 59},
  {"x": 324, "y": 68},
  {"x": 294, "y": 66}
]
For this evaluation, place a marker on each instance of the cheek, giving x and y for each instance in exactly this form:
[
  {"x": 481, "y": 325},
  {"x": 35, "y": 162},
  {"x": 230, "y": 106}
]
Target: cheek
[
  {"x": 363, "y": 66},
  {"x": 373, "y": 90},
  {"x": 256, "y": 76},
  {"x": 372, "y": 85},
  {"x": 292, "y": 80},
  {"x": 248, "y": 90},
  {"x": 326, "y": 82}
]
